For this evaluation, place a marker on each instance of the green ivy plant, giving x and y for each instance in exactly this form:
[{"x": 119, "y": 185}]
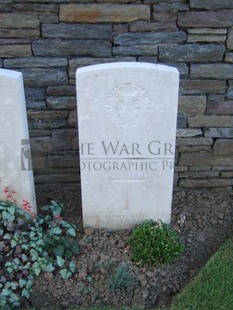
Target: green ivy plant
[
  {"x": 31, "y": 244},
  {"x": 155, "y": 243}
]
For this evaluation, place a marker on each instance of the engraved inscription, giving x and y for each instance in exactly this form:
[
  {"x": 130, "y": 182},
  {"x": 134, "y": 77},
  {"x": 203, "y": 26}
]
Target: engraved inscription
[{"x": 128, "y": 105}]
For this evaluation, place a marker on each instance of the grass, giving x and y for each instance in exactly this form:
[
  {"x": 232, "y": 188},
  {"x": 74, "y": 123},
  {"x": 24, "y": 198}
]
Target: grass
[{"x": 212, "y": 289}]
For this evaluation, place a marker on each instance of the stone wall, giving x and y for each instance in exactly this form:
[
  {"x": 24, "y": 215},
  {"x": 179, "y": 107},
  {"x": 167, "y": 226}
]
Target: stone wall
[{"x": 47, "y": 40}]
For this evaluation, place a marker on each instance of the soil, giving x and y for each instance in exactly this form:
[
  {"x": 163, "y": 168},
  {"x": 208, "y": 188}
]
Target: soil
[{"x": 203, "y": 220}]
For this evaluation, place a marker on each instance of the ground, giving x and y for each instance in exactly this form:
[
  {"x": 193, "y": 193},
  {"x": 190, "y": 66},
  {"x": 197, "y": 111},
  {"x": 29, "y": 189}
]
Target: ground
[{"x": 203, "y": 220}]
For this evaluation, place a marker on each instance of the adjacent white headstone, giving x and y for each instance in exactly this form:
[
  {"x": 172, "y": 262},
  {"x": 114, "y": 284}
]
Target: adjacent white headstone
[
  {"x": 15, "y": 156},
  {"x": 127, "y": 125}
]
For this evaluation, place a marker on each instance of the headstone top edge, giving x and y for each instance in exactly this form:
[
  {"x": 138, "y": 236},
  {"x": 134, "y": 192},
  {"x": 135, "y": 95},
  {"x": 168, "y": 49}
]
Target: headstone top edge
[
  {"x": 10, "y": 73},
  {"x": 121, "y": 65}
]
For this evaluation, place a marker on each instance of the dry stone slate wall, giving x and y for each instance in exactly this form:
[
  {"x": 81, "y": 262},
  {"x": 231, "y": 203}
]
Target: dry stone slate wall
[{"x": 47, "y": 40}]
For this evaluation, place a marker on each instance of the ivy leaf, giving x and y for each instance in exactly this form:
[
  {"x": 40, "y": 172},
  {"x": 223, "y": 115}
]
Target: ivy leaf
[
  {"x": 25, "y": 293},
  {"x": 72, "y": 266},
  {"x": 71, "y": 231},
  {"x": 54, "y": 203},
  {"x": 13, "y": 243},
  {"x": 60, "y": 261},
  {"x": 49, "y": 268},
  {"x": 59, "y": 250},
  {"x": 66, "y": 274},
  {"x": 75, "y": 249},
  {"x": 37, "y": 270},
  {"x": 22, "y": 283},
  {"x": 68, "y": 254}
]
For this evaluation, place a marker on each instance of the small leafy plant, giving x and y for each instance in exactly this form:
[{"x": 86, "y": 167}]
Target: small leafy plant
[
  {"x": 31, "y": 244},
  {"x": 155, "y": 243},
  {"x": 122, "y": 278}
]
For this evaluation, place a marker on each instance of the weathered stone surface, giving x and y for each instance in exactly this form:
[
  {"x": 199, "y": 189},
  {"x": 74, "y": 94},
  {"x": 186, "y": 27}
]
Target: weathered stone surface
[
  {"x": 61, "y": 103},
  {"x": 223, "y": 147},
  {"x": 150, "y": 59},
  {"x": 215, "y": 19},
  {"x": 46, "y": 114},
  {"x": 230, "y": 93},
  {"x": 216, "y": 97},
  {"x": 193, "y": 141},
  {"x": 35, "y": 62},
  {"x": 187, "y": 133},
  {"x": 77, "y": 31},
  {"x": 15, "y": 41},
  {"x": 34, "y": 93},
  {"x": 223, "y": 168},
  {"x": 181, "y": 67},
  {"x": 36, "y": 105},
  {"x": 38, "y": 163},
  {"x": 18, "y": 20},
  {"x": 152, "y": 26},
  {"x": 57, "y": 47},
  {"x": 20, "y": 50},
  {"x": 230, "y": 39},
  {"x": 72, "y": 119},
  {"x": 208, "y": 182},
  {"x": 53, "y": 1},
  {"x": 200, "y": 168},
  {"x": 75, "y": 63},
  {"x": 215, "y": 71},
  {"x": 47, "y": 124},
  {"x": 20, "y": 33},
  {"x": 192, "y": 104},
  {"x": 56, "y": 177},
  {"x": 227, "y": 174},
  {"x": 206, "y": 38},
  {"x": 199, "y": 174},
  {"x": 195, "y": 149},
  {"x": 136, "y": 50},
  {"x": 39, "y": 133},
  {"x": 44, "y": 77},
  {"x": 196, "y": 87},
  {"x": 47, "y": 17},
  {"x": 206, "y": 31},
  {"x": 210, "y": 121},
  {"x": 117, "y": 1},
  {"x": 65, "y": 139},
  {"x": 96, "y": 13},
  {"x": 181, "y": 121},
  {"x": 165, "y": 16},
  {"x": 65, "y": 161},
  {"x": 191, "y": 52},
  {"x": 36, "y": 7},
  {"x": 219, "y": 132},
  {"x": 229, "y": 57},
  {"x": 174, "y": 6},
  {"x": 211, "y": 5},
  {"x": 180, "y": 169},
  {"x": 175, "y": 179},
  {"x": 205, "y": 160},
  {"x": 163, "y": 1},
  {"x": 121, "y": 28},
  {"x": 40, "y": 145},
  {"x": 224, "y": 107},
  {"x": 149, "y": 38},
  {"x": 62, "y": 90}
]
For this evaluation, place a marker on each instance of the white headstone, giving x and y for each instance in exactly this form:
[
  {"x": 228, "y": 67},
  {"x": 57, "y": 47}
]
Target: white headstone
[
  {"x": 127, "y": 125},
  {"x": 15, "y": 156}
]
